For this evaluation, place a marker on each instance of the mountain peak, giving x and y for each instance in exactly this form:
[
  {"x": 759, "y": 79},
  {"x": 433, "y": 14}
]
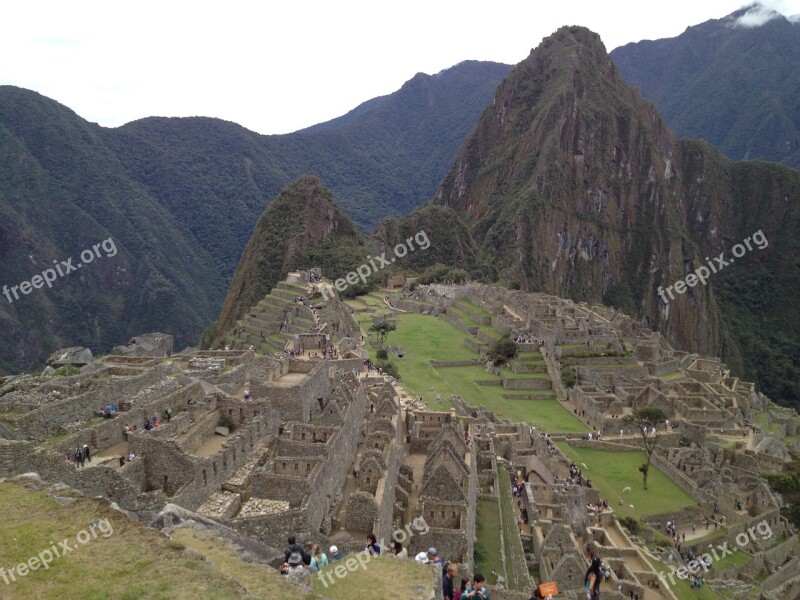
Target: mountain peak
[{"x": 753, "y": 15}]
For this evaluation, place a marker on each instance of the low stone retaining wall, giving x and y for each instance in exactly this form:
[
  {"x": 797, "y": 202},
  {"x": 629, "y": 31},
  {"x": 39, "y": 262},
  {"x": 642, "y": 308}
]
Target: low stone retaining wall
[{"x": 453, "y": 363}]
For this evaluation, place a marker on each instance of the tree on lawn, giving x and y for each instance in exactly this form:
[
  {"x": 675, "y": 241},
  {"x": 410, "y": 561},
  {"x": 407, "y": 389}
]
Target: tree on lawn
[
  {"x": 645, "y": 419},
  {"x": 503, "y": 349},
  {"x": 382, "y": 330}
]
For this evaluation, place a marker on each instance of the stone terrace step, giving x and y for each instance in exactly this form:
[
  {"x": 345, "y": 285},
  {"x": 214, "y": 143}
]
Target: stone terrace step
[{"x": 284, "y": 294}]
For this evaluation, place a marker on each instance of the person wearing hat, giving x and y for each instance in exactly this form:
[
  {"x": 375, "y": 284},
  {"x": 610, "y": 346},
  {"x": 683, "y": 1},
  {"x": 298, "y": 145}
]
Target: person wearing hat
[
  {"x": 295, "y": 570},
  {"x": 593, "y": 577},
  {"x": 335, "y": 554},
  {"x": 433, "y": 556},
  {"x": 422, "y": 557}
]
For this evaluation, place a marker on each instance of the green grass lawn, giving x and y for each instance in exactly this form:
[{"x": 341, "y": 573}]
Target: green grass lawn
[
  {"x": 425, "y": 338},
  {"x": 611, "y": 472},
  {"x": 487, "y": 528},
  {"x": 478, "y": 310}
]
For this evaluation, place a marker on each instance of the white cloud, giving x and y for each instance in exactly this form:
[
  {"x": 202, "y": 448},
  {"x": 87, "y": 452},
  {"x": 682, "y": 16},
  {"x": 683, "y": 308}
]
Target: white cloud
[{"x": 757, "y": 15}]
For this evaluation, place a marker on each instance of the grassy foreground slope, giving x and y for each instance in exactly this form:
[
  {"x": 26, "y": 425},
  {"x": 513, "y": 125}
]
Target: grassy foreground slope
[{"x": 127, "y": 561}]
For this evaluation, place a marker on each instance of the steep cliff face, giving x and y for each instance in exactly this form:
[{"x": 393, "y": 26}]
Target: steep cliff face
[{"x": 573, "y": 185}]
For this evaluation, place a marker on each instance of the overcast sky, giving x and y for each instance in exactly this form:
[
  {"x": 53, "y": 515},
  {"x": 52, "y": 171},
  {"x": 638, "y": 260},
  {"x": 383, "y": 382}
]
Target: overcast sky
[{"x": 279, "y": 66}]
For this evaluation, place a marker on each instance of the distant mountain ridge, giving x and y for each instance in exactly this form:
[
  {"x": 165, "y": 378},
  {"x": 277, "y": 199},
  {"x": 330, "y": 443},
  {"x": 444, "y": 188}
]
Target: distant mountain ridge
[
  {"x": 180, "y": 198},
  {"x": 734, "y": 82}
]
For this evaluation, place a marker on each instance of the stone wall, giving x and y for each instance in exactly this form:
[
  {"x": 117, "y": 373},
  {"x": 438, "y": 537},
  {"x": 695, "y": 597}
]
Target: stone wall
[
  {"x": 680, "y": 479},
  {"x": 386, "y": 494},
  {"x": 109, "y": 432},
  {"x": 48, "y": 419},
  {"x": 299, "y": 402},
  {"x": 121, "y": 485},
  {"x": 527, "y": 384},
  {"x": 200, "y": 432},
  {"x": 362, "y": 512}
]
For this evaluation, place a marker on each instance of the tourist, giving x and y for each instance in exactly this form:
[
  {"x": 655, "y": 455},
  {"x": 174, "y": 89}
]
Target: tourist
[
  {"x": 87, "y": 454},
  {"x": 122, "y": 461},
  {"x": 131, "y": 456},
  {"x": 78, "y": 458},
  {"x": 398, "y": 550},
  {"x": 335, "y": 554},
  {"x": 460, "y": 591},
  {"x": 478, "y": 588},
  {"x": 372, "y": 545},
  {"x": 593, "y": 576},
  {"x": 447, "y": 581},
  {"x": 318, "y": 558},
  {"x": 433, "y": 556},
  {"x": 422, "y": 557},
  {"x": 294, "y": 570}
]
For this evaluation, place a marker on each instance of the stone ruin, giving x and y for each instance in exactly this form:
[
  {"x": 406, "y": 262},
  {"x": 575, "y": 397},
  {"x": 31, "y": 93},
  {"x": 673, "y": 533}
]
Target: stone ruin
[{"x": 322, "y": 451}]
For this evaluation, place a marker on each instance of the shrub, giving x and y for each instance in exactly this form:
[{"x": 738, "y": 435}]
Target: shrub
[
  {"x": 388, "y": 368},
  {"x": 630, "y": 524},
  {"x": 382, "y": 354},
  {"x": 503, "y": 350},
  {"x": 478, "y": 552},
  {"x": 569, "y": 377}
]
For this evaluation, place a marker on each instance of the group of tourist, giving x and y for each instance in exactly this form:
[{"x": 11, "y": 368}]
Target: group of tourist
[
  {"x": 598, "y": 507},
  {"x": 107, "y": 412},
  {"x": 524, "y": 338},
  {"x": 576, "y": 477},
  {"x": 516, "y": 491},
  {"x": 299, "y": 566},
  {"x": 81, "y": 455}
]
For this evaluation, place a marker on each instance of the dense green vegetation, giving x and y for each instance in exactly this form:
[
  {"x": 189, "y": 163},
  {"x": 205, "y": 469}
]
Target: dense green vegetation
[
  {"x": 735, "y": 87},
  {"x": 180, "y": 197}
]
